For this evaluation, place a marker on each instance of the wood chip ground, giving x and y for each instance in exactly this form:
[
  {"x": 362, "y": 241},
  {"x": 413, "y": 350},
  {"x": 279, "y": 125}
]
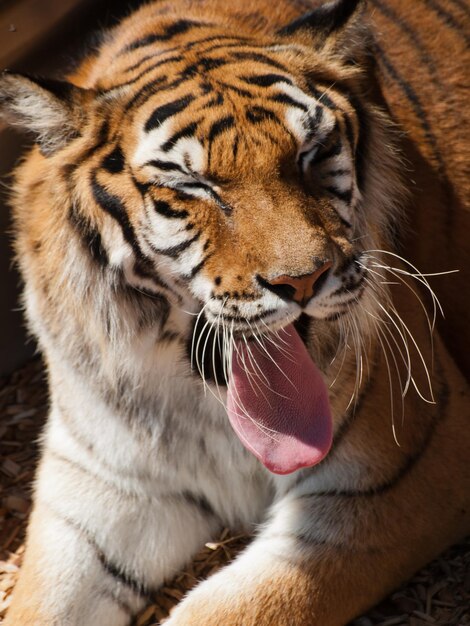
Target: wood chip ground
[{"x": 439, "y": 594}]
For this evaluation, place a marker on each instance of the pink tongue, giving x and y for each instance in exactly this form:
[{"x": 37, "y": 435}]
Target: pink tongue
[{"x": 279, "y": 406}]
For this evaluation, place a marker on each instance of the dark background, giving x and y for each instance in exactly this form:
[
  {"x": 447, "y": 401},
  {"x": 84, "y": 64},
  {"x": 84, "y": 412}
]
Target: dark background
[{"x": 43, "y": 37}]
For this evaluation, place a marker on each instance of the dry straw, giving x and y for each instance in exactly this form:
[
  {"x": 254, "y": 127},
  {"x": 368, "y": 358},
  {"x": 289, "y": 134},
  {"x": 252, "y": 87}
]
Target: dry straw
[{"x": 439, "y": 594}]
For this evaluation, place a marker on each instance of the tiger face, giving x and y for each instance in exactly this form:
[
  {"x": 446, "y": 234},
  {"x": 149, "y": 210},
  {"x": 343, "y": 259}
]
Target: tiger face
[
  {"x": 226, "y": 175},
  {"x": 271, "y": 164},
  {"x": 231, "y": 175}
]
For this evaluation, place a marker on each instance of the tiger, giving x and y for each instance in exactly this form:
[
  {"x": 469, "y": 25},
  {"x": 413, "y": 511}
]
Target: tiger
[{"x": 218, "y": 229}]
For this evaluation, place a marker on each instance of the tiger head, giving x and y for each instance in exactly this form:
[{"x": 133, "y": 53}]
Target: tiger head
[{"x": 242, "y": 173}]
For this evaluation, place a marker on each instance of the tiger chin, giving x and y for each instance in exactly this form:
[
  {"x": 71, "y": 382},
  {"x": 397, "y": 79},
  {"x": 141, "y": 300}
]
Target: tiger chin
[{"x": 204, "y": 228}]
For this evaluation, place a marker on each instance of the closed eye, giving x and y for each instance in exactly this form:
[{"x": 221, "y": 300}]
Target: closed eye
[
  {"x": 194, "y": 184},
  {"x": 226, "y": 208},
  {"x": 166, "y": 166},
  {"x": 208, "y": 191}
]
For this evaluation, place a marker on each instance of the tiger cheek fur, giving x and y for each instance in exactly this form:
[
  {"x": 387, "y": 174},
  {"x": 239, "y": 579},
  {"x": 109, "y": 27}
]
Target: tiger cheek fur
[{"x": 212, "y": 183}]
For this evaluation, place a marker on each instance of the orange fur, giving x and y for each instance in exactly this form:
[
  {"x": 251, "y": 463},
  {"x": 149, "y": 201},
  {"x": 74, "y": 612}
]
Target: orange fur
[{"x": 379, "y": 538}]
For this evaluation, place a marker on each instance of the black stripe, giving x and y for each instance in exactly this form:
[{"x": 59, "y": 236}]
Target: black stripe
[
  {"x": 84, "y": 470},
  {"x": 393, "y": 16},
  {"x": 206, "y": 87},
  {"x": 165, "y": 111},
  {"x": 227, "y": 209},
  {"x": 177, "y": 28},
  {"x": 147, "y": 70},
  {"x": 168, "y": 336},
  {"x": 114, "y": 161},
  {"x": 152, "y": 56},
  {"x": 215, "y": 101},
  {"x": 89, "y": 236},
  {"x": 261, "y": 58},
  {"x": 220, "y": 126},
  {"x": 319, "y": 90},
  {"x": 239, "y": 41},
  {"x": 238, "y": 90},
  {"x": 266, "y": 80},
  {"x": 313, "y": 123},
  {"x": 359, "y": 150},
  {"x": 142, "y": 188},
  {"x": 344, "y": 196},
  {"x": 335, "y": 150},
  {"x": 62, "y": 89},
  {"x": 324, "y": 19},
  {"x": 285, "y": 99},
  {"x": 252, "y": 319},
  {"x": 150, "y": 89},
  {"x": 143, "y": 268},
  {"x": 319, "y": 112},
  {"x": 257, "y": 114},
  {"x": 235, "y": 144},
  {"x": 246, "y": 295},
  {"x": 113, "y": 206},
  {"x": 197, "y": 268},
  {"x": 200, "y": 502},
  {"x": 158, "y": 314},
  {"x": 416, "y": 104},
  {"x": 462, "y": 5},
  {"x": 119, "y": 574},
  {"x": 361, "y": 154},
  {"x": 166, "y": 166},
  {"x": 102, "y": 140},
  {"x": 186, "y": 131},
  {"x": 321, "y": 96},
  {"x": 163, "y": 208},
  {"x": 202, "y": 66},
  {"x": 174, "y": 251},
  {"x": 409, "y": 463},
  {"x": 217, "y": 128},
  {"x": 184, "y": 196},
  {"x": 449, "y": 20},
  {"x": 349, "y": 286}
]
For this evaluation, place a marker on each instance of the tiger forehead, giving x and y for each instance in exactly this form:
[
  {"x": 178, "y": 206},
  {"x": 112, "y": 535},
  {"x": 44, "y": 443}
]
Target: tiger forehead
[{"x": 266, "y": 120}]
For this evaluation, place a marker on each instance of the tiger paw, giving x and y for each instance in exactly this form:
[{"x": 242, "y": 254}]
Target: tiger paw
[
  {"x": 220, "y": 601},
  {"x": 255, "y": 590}
]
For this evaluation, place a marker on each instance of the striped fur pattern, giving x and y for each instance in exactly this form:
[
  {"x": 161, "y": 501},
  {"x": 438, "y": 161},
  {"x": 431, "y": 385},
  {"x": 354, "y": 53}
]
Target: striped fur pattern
[{"x": 199, "y": 152}]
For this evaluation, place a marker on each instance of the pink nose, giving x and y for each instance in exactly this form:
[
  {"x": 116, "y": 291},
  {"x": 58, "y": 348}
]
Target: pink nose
[{"x": 303, "y": 286}]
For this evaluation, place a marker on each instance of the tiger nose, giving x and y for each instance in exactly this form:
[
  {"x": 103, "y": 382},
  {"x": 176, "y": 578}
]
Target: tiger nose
[{"x": 299, "y": 288}]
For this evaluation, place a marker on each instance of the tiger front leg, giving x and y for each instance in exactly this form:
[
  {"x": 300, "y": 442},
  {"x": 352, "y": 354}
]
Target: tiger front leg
[
  {"x": 93, "y": 555},
  {"x": 64, "y": 580},
  {"x": 325, "y": 559},
  {"x": 287, "y": 581}
]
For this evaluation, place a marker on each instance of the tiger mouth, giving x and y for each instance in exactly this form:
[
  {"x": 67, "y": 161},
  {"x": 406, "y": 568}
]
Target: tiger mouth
[
  {"x": 276, "y": 399},
  {"x": 205, "y": 347},
  {"x": 214, "y": 331}
]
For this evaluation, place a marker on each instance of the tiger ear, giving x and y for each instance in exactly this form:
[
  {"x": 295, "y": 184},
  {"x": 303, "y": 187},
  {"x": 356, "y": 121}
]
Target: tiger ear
[
  {"x": 327, "y": 22},
  {"x": 50, "y": 109}
]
